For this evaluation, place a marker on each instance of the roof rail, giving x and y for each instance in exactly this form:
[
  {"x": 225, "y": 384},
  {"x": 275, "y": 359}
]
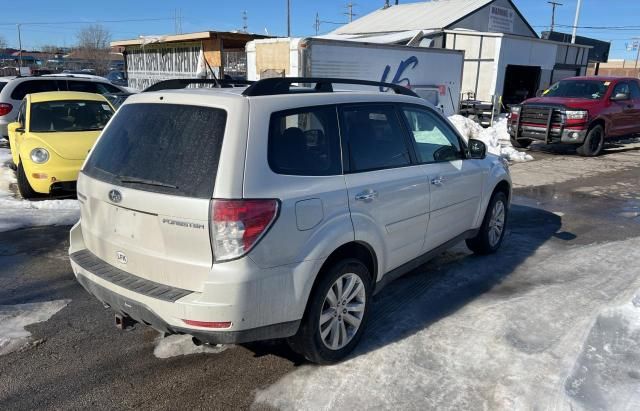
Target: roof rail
[
  {"x": 282, "y": 85},
  {"x": 179, "y": 83}
]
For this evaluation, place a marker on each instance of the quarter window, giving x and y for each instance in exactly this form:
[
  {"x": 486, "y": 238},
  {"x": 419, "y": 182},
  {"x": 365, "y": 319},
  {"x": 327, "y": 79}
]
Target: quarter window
[
  {"x": 305, "y": 142},
  {"x": 375, "y": 138},
  {"x": 435, "y": 141}
]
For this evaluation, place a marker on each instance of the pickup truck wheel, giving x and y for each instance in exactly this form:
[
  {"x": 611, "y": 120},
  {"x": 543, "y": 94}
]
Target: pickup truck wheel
[
  {"x": 493, "y": 227},
  {"x": 521, "y": 143},
  {"x": 23, "y": 184},
  {"x": 593, "y": 143},
  {"x": 336, "y": 314}
]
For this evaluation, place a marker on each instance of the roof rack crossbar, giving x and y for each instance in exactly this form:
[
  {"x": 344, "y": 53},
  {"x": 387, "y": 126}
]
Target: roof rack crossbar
[
  {"x": 282, "y": 85},
  {"x": 180, "y": 83}
]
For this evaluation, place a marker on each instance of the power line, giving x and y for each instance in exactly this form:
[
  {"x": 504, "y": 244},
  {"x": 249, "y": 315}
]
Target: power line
[{"x": 86, "y": 22}]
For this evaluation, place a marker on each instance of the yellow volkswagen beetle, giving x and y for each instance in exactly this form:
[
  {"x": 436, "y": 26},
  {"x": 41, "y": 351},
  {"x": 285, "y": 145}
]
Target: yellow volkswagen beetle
[{"x": 51, "y": 138}]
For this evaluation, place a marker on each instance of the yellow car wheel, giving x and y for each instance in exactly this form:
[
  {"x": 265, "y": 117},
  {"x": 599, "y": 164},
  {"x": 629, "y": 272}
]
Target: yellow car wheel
[{"x": 23, "y": 184}]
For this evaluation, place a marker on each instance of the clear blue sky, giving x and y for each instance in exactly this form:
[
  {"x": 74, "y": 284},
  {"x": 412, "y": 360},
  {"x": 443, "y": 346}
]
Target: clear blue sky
[{"x": 270, "y": 15}]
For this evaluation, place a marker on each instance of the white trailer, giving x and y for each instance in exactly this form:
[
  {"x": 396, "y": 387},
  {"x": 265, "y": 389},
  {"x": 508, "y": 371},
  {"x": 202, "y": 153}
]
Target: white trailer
[{"x": 434, "y": 74}]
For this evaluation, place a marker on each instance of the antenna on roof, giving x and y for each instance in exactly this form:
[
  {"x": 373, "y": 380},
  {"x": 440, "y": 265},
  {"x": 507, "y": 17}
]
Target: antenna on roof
[{"x": 244, "y": 21}]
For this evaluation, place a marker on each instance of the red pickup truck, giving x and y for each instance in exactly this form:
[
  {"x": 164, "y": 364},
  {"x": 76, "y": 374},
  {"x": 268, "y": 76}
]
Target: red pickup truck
[{"x": 578, "y": 110}]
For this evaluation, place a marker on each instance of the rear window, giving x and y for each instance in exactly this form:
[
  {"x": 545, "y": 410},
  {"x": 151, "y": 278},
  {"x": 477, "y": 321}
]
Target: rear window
[
  {"x": 33, "y": 86},
  {"x": 164, "y": 148},
  {"x": 2, "y": 84},
  {"x": 69, "y": 115}
]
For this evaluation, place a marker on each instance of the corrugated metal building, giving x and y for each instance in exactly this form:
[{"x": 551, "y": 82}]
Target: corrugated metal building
[{"x": 150, "y": 59}]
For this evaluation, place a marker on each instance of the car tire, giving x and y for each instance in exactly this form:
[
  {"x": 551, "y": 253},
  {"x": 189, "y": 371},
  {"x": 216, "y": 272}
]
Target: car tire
[
  {"x": 23, "y": 184},
  {"x": 593, "y": 142},
  {"x": 521, "y": 143},
  {"x": 331, "y": 340},
  {"x": 494, "y": 224}
]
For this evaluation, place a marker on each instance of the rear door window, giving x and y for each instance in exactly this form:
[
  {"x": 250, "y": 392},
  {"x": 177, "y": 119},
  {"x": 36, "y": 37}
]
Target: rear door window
[
  {"x": 305, "y": 142},
  {"x": 164, "y": 148},
  {"x": 33, "y": 86},
  {"x": 635, "y": 90},
  {"x": 375, "y": 138}
]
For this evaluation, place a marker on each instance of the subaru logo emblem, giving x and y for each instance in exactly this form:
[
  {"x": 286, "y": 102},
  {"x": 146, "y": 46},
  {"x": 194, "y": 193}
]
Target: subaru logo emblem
[
  {"x": 115, "y": 196},
  {"x": 121, "y": 257}
]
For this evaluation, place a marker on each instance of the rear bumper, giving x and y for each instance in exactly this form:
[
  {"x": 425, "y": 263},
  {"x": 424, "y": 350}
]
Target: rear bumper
[
  {"x": 260, "y": 303},
  {"x": 145, "y": 315}
]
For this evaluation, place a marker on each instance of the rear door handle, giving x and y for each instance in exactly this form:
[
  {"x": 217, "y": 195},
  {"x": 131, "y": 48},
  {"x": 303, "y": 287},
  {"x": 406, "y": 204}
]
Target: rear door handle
[
  {"x": 438, "y": 181},
  {"x": 367, "y": 195}
]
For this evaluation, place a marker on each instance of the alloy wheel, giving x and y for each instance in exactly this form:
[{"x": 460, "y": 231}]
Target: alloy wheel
[{"x": 342, "y": 311}]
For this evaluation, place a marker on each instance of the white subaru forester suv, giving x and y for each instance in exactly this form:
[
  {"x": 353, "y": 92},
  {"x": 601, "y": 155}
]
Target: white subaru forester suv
[{"x": 237, "y": 214}]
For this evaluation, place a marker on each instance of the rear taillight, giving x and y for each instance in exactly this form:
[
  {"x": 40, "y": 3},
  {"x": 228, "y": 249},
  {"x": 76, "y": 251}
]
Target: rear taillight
[
  {"x": 5, "y": 108},
  {"x": 237, "y": 225}
]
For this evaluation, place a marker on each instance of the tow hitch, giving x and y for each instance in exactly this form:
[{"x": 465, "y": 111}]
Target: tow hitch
[{"x": 125, "y": 322}]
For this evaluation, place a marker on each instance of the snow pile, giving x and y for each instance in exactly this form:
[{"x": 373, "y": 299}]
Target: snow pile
[
  {"x": 16, "y": 213},
  {"x": 496, "y": 137},
  {"x": 13, "y": 319},
  {"x": 175, "y": 345}
]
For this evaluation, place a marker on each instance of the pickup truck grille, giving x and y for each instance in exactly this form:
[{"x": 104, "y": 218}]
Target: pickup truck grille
[
  {"x": 540, "y": 123},
  {"x": 539, "y": 115}
]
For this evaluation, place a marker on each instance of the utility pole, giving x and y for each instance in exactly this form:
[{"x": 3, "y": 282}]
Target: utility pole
[
  {"x": 20, "y": 47},
  {"x": 575, "y": 22},
  {"x": 350, "y": 12},
  {"x": 635, "y": 42},
  {"x": 245, "y": 26},
  {"x": 288, "y": 18},
  {"x": 553, "y": 13}
]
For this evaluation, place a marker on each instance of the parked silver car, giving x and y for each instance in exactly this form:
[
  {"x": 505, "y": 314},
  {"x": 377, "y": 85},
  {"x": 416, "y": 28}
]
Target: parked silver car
[{"x": 271, "y": 211}]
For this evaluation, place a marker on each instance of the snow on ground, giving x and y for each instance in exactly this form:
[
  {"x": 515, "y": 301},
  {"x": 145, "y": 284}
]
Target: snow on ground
[
  {"x": 456, "y": 342},
  {"x": 175, "y": 345},
  {"x": 496, "y": 137},
  {"x": 17, "y": 213},
  {"x": 13, "y": 319}
]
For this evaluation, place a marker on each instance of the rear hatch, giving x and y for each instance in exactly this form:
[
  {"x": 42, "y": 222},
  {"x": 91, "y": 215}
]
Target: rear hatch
[{"x": 145, "y": 206}]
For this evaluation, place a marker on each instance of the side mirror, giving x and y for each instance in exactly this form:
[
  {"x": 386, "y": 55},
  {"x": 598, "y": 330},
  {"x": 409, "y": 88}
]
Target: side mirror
[
  {"x": 15, "y": 127},
  {"x": 620, "y": 97},
  {"x": 477, "y": 149}
]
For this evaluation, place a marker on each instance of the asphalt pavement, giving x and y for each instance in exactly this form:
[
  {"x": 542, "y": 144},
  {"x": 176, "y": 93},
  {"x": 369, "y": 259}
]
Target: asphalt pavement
[{"x": 78, "y": 359}]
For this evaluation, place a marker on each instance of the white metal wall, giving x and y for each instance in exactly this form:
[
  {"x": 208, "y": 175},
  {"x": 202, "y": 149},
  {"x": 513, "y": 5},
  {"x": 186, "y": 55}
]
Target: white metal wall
[{"x": 149, "y": 64}]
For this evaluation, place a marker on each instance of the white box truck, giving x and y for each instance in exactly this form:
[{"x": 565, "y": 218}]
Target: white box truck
[{"x": 434, "y": 74}]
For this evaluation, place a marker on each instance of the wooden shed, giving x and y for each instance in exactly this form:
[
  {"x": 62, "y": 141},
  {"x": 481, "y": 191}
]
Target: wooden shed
[{"x": 150, "y": 59}]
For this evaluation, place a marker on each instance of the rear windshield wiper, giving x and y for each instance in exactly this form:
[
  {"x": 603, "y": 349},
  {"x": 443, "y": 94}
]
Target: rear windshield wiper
[{"x": 136, "y": 180}]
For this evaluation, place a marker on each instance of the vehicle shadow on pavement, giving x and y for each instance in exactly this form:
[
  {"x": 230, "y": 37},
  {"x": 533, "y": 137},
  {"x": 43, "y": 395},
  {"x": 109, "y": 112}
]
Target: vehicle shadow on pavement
[
  {"x": 444, "y": 285},
  {"x": 612, "y": 146},
  {"x": 453, "y": 279}
]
